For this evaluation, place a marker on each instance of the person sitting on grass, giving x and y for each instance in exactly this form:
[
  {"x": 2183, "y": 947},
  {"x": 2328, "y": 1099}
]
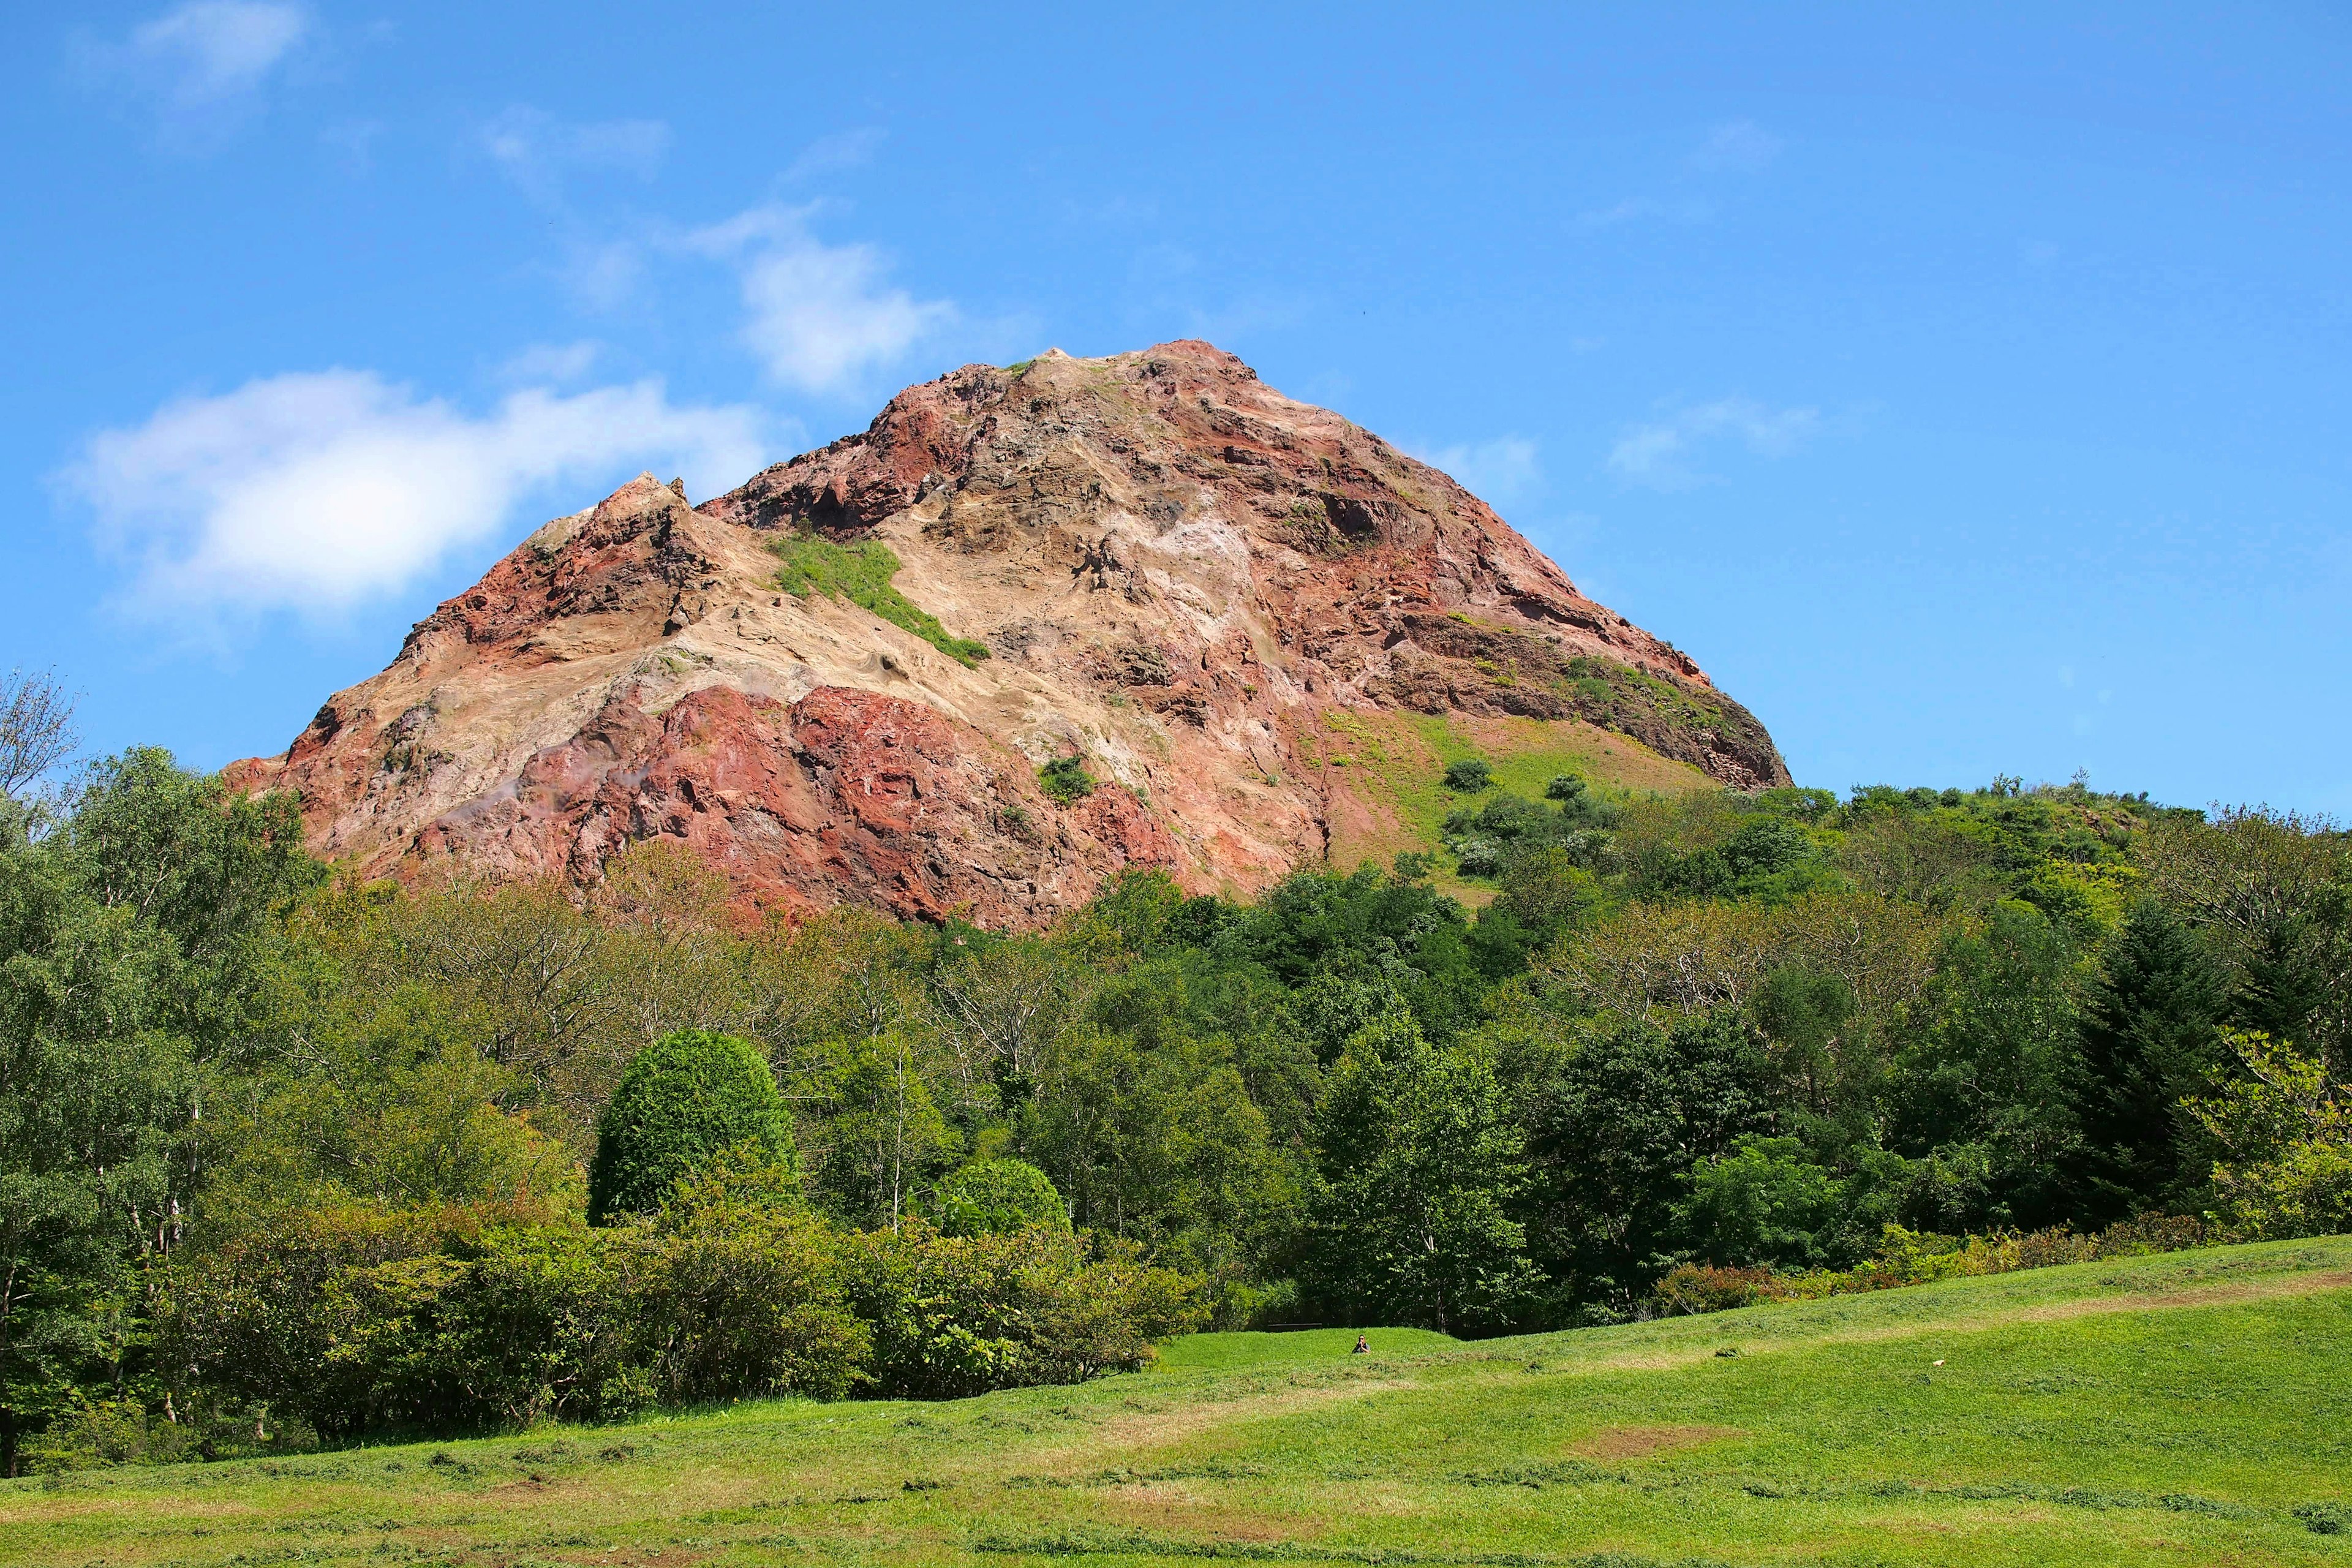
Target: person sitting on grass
[{"x": 1363, "y": 1346}]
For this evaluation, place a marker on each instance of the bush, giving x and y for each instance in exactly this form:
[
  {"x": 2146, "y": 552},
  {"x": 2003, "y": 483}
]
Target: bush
[
  {"x": 1479, "y": 858},
  {"x": 345, "y": 1321},
  {"x": 953, "y": 1316},
  {"x": 1693, "y": 1288},
  {"x": 1469, "y": 776},
  {"x": 1911, "y": 1258},
  {"x": 1065, "y": 779},
  {"x": 363, "y": 1324},
  {"x": 741, "y": 1295},
  {"x": 989, "y": 1198},
  {"x": 1236, "y": 1304},
  {"x": 266, "y": 1318},
  {"x": 681, "y": 1102}
]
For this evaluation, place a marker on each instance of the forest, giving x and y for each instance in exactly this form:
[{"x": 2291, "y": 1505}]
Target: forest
[{"x": 291, "y": 1159}]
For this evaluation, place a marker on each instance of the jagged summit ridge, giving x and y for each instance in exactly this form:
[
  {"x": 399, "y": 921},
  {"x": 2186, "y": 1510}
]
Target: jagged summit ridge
[{"x": 1152, "y": 560}]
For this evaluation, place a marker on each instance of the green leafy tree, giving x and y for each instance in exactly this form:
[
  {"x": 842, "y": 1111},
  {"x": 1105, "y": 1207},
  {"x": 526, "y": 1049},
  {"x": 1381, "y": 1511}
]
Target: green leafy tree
[
  {"x": 2284, "y": 1135},
  {"x": 1420, "y": 1166},
  {"x": 885, "y": 1138},
  {"x": 1994, "y": 1058},
  {"x": 1767, "y": 1201},
  {"x": 1616, "y": 1126},
  {"x": 1150, "y": 1133},
  {"x": 683, "y": 1100},
  {"x": 137, "y": 937}
]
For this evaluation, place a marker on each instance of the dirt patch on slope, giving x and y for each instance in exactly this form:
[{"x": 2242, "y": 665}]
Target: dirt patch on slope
[{"x": 1640, "y": 1442}]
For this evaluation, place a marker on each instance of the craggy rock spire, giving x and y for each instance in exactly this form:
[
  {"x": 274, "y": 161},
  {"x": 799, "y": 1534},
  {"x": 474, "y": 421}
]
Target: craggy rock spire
[{"x": 1153, "y": 561}]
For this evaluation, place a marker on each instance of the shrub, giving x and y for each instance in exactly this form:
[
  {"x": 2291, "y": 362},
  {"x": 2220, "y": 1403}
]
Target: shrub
[
  {"x": 988, "y": 1197},
  {"x": 726, "y": 1293},
  {"x": 1236, "y": 1304},
  {"x": 1065, "y": 779},
  {"x": 1693, "y": 1288},
  {"x": 1912, "y": 1257},
  {"x": 95, "y": 1433},
  {"x": 680, "y": 1102},
  {"x": 738, "y": 1294},
  {"x": 1479, "y": 858},
  {"x": 1468, "y": 775},
  {"x": 264, "y": 1318},
  {"x": 953, "y": 1316}
]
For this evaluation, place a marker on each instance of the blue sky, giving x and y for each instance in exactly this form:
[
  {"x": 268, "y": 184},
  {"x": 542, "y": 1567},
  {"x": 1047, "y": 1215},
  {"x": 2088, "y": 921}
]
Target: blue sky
[{"x": 1966, "y": 390}]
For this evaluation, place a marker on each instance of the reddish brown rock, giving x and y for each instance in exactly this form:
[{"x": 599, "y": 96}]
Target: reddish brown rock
[{"x": 1183, "y": 576}]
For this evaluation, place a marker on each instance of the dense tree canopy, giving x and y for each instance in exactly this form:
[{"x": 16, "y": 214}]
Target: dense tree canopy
[{"x": 287, "y": 1157}]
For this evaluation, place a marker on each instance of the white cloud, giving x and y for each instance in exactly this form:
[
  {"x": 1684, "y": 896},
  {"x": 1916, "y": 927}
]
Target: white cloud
[
  {"x": 1500, "y": 470},
  {"x": 200, "y": 65},
  {"x": 208, "y": 50},
  {"x": 1660, "y": 454},
  {"x": 537, "y": 150},
  {"x": 314, "y": 492},
  {"x": 818, "y": 314},
  {"x": 1741, "y": 145}
]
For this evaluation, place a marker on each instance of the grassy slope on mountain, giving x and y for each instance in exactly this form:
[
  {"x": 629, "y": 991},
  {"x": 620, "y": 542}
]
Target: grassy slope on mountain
[
  {"x": 2187, "y": 1409},
  {"x": 1391, "y": 766}
]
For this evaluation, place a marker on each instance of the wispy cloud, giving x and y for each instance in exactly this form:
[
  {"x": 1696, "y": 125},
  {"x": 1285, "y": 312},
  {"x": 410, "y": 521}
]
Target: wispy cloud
[
  {"x": 831, "y": 154},
  {"x": 202, "y": 65},
  {"x": 1634, "y": 209},
  {"x": 313, "y": 491},
  {"x": 1736, "y": 147},
  {"x": 817, "y": 315},
  {"x": 1498, "y": 471},
  {"x": 1740, "y": 146},
  {"x": 1662, "y": 453},
  {"x": 538, "y": 152},
  {"x": 551, "y": 364}
]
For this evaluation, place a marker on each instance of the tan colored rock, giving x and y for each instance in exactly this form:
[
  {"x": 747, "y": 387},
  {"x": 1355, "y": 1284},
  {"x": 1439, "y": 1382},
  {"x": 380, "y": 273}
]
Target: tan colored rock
[{"x": 1184, "y": 576}]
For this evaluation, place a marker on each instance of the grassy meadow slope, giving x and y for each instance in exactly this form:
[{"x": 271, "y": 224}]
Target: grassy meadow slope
[
  {"x": 2189, "y": 1408},
  {"x": 1384, "y": 774}
]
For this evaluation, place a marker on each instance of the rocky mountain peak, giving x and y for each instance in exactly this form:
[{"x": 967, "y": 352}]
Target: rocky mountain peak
[{"x": 1253, "y": 626}]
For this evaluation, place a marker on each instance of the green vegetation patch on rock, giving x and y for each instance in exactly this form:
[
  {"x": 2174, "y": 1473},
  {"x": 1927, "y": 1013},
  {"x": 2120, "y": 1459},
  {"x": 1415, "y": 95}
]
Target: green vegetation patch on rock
[
  {"x": 1522, "y": 673},
  {"x": 861, "y": 573}
]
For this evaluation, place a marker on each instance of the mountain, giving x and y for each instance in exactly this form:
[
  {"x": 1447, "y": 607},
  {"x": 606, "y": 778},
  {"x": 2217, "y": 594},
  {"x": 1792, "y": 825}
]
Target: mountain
[{"x": 1258, "y": 628}]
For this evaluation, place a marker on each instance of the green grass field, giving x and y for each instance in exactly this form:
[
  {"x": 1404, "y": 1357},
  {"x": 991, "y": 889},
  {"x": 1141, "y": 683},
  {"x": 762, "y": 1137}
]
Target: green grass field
[{"x": 2191, "y": 1408}]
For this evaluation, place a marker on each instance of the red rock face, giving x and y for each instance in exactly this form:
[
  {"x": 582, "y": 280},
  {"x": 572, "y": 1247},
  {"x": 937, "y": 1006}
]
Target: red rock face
[
  {"x": 1182, "y": 576},
  {"x": 842, "y": 795}
]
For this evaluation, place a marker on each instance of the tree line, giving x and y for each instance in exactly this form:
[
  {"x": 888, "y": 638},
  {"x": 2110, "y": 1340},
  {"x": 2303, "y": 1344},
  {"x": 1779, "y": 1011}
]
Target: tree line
[{"x": 288, "y": 1157}]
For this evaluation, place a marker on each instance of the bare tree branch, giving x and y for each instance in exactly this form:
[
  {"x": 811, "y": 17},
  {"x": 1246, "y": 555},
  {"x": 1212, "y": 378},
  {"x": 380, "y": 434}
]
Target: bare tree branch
[{"x": 36, "y": 729}]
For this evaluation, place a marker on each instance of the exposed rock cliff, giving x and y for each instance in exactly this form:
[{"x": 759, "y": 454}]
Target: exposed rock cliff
[{"x": 1216, "y": 596}]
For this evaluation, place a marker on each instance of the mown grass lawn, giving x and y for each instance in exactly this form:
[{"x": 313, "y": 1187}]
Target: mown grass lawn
[{"x": 2186, "y": 1409}]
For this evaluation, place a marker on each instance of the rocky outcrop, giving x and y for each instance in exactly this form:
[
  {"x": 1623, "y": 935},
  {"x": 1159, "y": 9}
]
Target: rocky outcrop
[{"x": 1179, "y": 574}]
